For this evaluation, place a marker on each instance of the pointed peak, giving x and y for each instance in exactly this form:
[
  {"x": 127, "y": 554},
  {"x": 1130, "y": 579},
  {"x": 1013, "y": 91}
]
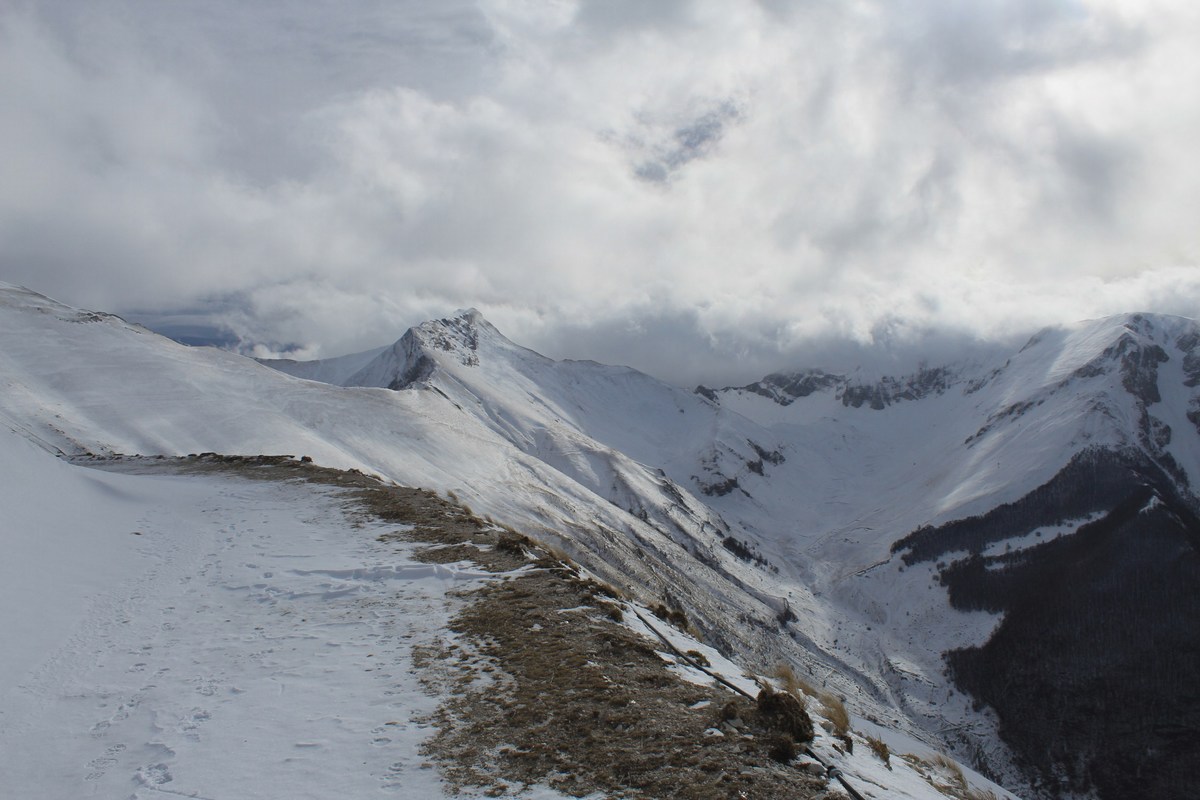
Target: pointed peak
[
  {"x": 460, "y": 334},
  {"x": 472, "y": 315},
  {"x": 467, "y": 322}
]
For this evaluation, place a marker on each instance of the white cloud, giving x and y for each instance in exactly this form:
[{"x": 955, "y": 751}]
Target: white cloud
[{"x": 743, "y": 181}]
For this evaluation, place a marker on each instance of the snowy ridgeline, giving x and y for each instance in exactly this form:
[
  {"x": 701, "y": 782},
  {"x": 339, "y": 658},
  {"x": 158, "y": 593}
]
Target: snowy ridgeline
[
  {"x": 211, "y": 635},
  {"x": 811, "y": 521},
  {"x": 206, "y": 636}
]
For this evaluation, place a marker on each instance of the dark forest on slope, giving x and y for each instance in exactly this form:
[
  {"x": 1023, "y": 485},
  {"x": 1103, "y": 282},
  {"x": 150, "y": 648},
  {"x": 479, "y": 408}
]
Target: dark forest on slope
[{"x": 1095, "y": 670}]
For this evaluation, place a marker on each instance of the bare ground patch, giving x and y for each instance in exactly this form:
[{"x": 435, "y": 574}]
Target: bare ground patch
[{"x": 588, "y": 706}]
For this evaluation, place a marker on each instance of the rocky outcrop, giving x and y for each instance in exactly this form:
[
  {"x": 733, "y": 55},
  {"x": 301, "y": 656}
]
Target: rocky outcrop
[
  {"x": 786, "y": 388},
  {"x": 924, "y": 383}
]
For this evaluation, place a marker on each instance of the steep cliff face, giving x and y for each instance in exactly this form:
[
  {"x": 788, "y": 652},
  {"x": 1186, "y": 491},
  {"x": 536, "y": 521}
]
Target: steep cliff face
[{"x": 787, "y": 387}]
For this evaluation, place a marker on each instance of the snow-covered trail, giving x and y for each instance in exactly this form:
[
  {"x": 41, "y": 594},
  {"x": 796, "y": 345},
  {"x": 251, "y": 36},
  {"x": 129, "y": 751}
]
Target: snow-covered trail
[{"x": 258, "y": 642}]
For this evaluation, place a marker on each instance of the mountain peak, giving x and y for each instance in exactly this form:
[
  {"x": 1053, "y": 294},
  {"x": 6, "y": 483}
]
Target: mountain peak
[
  {"x": 446, "y": 342},
  {"x": 1130, "y": 345},
  {"x": 460, "y": 334},
  {"x": 472, "y": 315}
]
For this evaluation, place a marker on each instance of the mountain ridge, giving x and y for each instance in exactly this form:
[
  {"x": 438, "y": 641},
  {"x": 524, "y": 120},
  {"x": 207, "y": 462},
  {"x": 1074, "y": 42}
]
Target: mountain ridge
[
  {"x": 772, "y": 525},
  {"x": 1073, "y": 393}
]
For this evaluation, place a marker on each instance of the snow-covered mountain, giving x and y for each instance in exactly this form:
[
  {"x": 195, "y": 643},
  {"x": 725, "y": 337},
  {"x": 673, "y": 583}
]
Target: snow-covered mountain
[
  {"x": 1053, "y": 490},
  {"x": 81, "y": 382},
  {"x": 859, "y": 529},
  {"x": 848, "y": 490}
]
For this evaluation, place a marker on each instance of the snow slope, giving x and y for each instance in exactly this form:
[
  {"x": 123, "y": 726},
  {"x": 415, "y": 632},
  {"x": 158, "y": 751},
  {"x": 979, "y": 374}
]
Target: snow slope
[
  {"x": 83, "y": 382},
  {"x": 812, "y": 469},
  {"x": 768, "y": 513},
  {"x": 326, "y": 370},
  {"x": 549, "y": 408},
  {"x": 213, "y": 636},
  {"x": 207, "y": 637},
  {"x": 817, "y": 475}
]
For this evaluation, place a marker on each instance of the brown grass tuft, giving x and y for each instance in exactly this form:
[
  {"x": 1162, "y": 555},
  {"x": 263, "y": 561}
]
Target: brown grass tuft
[
  {"x": 835, "y": 711},
  {"x": 782, "y": 748},
  {"x": 981, "y": 794},
  {"x": 675, "y": 616},
  {"x": 792, "y": 682},
  {"x": 880, "y": 748},
  {"x": 952, "y": 770},
  {"x": 785, "y": 713}
]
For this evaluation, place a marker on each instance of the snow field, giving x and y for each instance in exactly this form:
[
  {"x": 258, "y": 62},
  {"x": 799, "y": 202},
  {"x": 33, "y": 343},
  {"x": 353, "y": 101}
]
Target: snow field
[
  {"x": 249, "y": 641},
  {"x": 561, "y": 449}
]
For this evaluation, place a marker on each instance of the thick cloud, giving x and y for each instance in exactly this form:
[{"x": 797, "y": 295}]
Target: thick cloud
[{"x": 706, "y": 189}]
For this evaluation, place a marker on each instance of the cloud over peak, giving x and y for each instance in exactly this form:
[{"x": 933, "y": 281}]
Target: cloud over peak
[{"x": 752, "y": 178}]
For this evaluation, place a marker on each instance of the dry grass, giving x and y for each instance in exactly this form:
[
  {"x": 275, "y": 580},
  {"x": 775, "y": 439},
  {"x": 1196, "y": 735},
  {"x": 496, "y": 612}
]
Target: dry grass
[
  {"x": 945, "y": 775},
  {"x": 586, "y": 705},
  {"x": 952, "y": 770},
  {"x": 834, "y": 710},
  {"x": 560, "y": 555},
  {"x": 541, "y": 685},
  {"x": 880, "y": 749},
  {"x": 792, "y": 682},
  {"x": 675, "y": 616},
  {"x": 981, "y": 794}
]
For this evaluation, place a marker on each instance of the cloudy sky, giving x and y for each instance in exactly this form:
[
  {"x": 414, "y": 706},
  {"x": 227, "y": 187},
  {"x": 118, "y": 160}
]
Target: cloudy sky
[{"x": 705, "y": 189}]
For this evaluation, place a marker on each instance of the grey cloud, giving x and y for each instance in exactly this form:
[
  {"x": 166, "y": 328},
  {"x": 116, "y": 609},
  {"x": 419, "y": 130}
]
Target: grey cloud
[
  {"x": 1095, "y": 171},
  {"x": 264, "y": 67},
  {"x": 947, "y": 45},
  {"x": 614, "y": 17},
  {"x": 742, "y": 181},
  {"x": 197, "y": 327},
  {"x": 678, "y": 346},
  {"x": 693, "y": 139}
]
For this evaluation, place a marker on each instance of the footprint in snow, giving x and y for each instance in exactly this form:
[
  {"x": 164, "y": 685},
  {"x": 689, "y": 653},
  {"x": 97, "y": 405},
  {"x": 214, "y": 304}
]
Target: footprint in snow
[
  {"x": 189, "y": 726},
  {"x": 99, "y": 766},
  {"x": 153, "y": 775}
]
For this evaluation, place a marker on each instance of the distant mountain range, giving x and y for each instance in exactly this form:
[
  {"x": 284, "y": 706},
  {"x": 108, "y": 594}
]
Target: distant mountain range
[{"x": 1001, "y": 555}]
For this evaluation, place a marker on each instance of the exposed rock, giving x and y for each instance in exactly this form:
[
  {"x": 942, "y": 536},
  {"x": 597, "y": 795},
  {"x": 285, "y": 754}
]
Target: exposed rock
[
  {"x": 784, "y": 388},
  {"x": 927, "y": 381}
]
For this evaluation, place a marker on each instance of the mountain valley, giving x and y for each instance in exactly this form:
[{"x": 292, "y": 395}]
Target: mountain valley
[{"x": 996, "y": 558}]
